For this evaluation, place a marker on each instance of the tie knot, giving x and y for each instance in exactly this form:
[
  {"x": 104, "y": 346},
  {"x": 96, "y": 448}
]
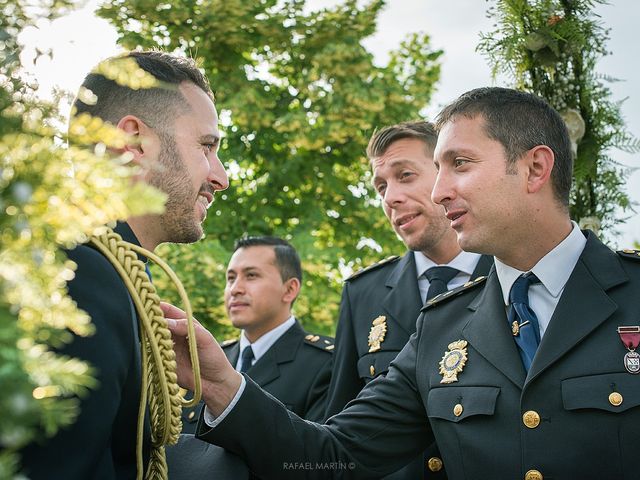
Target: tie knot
[
  {"x": 247, "y": 354},
  {"x": 444, "y": 274},
  {"x": 247, "y": 358},
  {"x": 520, "y": 289}
]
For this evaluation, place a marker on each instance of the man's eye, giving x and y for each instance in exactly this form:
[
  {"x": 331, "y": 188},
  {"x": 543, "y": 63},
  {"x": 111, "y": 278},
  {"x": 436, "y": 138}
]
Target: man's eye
[
  {"x": 209, "y": 147},
  {"x": 405, "y": 175},
  {"x": 458, "y": 162},
  {"x": 380, "y": 189}
]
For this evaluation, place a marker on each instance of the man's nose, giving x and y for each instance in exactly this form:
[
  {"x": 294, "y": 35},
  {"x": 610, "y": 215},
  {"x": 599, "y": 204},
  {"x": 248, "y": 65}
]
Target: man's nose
[{"x": 218, "y": 177}]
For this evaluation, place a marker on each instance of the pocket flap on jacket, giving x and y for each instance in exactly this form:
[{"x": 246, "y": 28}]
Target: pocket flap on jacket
[
  {"x": 375, "y": 363},
  {"x": 613, "y": 392},
  {"x": 457, "y": 403}
]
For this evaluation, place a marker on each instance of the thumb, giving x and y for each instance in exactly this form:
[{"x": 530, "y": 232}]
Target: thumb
[
  {"x": 178, "y": 327},
  {"x": 171, "y": 311}
]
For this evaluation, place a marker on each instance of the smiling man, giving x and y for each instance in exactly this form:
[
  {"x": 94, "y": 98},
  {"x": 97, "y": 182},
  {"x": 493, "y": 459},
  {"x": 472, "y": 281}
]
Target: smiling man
[
  {"x": 390, "y": 294},
  {"x": 174, "y": 137},
  {"x": 528, "y": 374}
]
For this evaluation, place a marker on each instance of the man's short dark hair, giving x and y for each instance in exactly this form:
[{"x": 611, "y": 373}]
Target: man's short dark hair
[
  {"x": 384, "y": 138},
  {"x": 155, "y": 105},
  {"x": 520, "y": 121},
  {"x": 287, "y": 259}
]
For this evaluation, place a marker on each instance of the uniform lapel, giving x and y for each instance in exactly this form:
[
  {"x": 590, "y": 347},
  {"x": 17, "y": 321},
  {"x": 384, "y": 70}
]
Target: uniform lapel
[
  {"x": 583, "y": 306},
  {"x": 488, "y": 332},
  {"x": 284, "y": 350},
  {"x": 403, "y": 303},
  {"x": 232, "y": 353}
]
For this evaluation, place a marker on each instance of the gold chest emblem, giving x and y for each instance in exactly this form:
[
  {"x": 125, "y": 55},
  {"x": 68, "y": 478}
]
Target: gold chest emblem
[
  {"x": 377, "y": 333},
  {"x": 453, "y": 361}
]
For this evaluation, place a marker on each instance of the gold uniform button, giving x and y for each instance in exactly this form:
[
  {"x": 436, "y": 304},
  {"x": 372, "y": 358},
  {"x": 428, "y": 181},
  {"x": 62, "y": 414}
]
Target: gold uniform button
[
  {"x": 533, "y": 475},
  {"x": 191, "y": 415},
  {"x": 615, "y": 399},
  {"x": 372, "y": 370},
  {"x": 457, "y": 410},
  {"x": 434, "y": 464},
  {"x": 531, "y": 419}
]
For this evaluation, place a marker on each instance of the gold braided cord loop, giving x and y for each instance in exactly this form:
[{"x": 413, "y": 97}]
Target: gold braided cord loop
[
  {"x": 193, "y": 352},
  {"x": 159, "y": 377}
]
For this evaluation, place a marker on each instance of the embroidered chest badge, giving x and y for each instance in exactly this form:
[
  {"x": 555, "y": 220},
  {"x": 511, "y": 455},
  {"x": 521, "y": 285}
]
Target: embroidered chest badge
[
  {"x": 377, "y": 333},
  {"x": 453, "y": 361}
]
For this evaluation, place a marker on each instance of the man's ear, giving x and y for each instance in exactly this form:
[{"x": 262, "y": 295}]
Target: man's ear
[
  {"x": 143, "y": 144},
  {"x": 292, "y": 289},
  {"x": 540, "y": 161}
]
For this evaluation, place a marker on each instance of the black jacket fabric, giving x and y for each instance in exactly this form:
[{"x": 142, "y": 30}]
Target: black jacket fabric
[
  {"x": 388, "y": 289},
  {"x": 101, "y": 443},
  {"x": 587, "y": 403},
  {"x": 296, "y": 370}
]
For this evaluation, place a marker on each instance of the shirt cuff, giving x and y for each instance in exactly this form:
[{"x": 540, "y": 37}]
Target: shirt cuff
[{"x": 211, "y": 420}]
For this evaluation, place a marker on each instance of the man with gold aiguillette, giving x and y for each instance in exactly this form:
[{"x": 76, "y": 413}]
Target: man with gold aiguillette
[{"x": 174, "y": 138}]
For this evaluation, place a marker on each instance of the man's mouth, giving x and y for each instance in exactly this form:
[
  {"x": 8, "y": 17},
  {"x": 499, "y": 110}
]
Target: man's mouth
[
  {"x": 454, "y": 215},
  {"x": 237, "y": 304},
  {"x": 205, "y": 198},
  {"x": 405, "y": 220}
]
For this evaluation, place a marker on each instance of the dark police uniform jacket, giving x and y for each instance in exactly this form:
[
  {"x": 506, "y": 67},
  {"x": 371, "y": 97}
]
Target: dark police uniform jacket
[
  {"x": 296, "y": 370},
  {"x": 101, "y": 443},
  {"x": 390, "y": 289},
  {"x": 587, "y": 404}
]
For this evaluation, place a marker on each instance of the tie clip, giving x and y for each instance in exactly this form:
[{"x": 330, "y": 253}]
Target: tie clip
[{"x": 515, "y": 327}]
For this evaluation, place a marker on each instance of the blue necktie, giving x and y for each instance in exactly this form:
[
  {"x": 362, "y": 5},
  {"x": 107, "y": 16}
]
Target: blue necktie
[
  {"x": 247, "y": 358},
  {"x": 523, "y": 321},
  {"x": 438, "y": 278}
]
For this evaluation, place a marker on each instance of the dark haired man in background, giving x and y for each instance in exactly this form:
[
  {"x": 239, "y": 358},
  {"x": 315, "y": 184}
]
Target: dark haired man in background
[
  {"x": 264, "y": 277},
  {"x": 380, "y": 304}
]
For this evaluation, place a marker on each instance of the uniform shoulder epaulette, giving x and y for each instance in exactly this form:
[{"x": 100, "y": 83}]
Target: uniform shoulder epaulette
[
  {"x": 379, "y": 264},
  {"x": 438, "y": 299},
  {"x": 319, "y": 341},
  {"x": 629, "y": 253},
  {"x": 228, "y": 343}
]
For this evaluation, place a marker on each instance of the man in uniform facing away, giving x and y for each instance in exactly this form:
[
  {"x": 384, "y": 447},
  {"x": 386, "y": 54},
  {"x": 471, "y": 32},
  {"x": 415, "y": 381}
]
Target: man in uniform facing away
[
  {"x": 380, "y": 304},
  {"x": 530, "y": 374}
]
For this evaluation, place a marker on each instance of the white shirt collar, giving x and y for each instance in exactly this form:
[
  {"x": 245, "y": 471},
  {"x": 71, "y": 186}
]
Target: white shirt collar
[
  {"x": 465, "y": 262},
  {"x": 553, "y": 270},
  {"x": 265, "y": 342}
]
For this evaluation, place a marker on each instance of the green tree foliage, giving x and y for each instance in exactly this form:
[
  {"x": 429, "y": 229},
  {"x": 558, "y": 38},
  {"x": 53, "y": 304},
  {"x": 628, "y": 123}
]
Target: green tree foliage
[
  {"x": 299, "y": 98},
  {"x": 50, "y": 197},
  {"x": 551, "y": 48}
]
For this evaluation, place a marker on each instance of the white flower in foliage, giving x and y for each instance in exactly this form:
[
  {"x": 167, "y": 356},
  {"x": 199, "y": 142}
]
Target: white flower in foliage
[{"x": 575, "y": 125}]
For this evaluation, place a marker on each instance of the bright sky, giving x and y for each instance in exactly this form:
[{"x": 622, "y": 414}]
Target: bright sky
[{"x": 80, "y": 40}]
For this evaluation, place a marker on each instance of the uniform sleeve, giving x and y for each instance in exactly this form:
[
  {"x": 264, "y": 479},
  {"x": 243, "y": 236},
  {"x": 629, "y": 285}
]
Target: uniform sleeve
[
  {"x": 317, "y": 395},
  {"x": 384, "y": 428},
  {"x": 345, "y": 382},
  {"x": 85, "y": 448}
]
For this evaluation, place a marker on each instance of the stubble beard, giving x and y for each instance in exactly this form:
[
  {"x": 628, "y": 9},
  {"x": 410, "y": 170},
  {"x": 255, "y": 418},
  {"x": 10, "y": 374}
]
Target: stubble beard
[
  {"x": 429, "y": 239},
  {"x": 178, "y": 222}
]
